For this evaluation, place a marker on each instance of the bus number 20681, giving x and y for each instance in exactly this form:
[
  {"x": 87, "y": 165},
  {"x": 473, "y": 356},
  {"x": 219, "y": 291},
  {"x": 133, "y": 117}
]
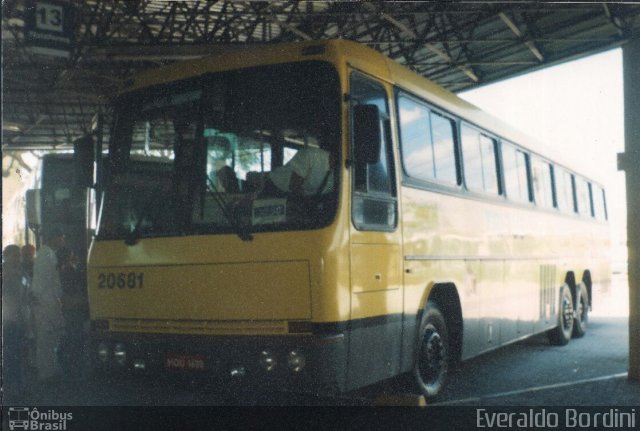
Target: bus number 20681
[{"x": 121, "y": 280}]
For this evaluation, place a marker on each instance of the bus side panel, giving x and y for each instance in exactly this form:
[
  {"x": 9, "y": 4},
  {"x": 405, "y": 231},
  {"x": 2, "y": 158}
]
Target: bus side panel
[
  {"x": 506, "y": 262},
  {"x": 376, "y": 310},
  {"x": 437, "y": 234},
  {"x": 521, "y": 292}
]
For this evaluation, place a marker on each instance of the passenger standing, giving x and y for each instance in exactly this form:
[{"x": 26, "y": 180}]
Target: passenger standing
[
  {"x": 28, "y": 253},
  {"x": 13, "y": 319},
  {"x": 47, "y": 311},
  {"x": 74, "y": 309}
]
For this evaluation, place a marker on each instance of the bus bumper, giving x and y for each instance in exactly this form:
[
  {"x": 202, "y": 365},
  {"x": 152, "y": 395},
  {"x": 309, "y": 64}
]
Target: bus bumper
[{"x": 305, "y": 363}]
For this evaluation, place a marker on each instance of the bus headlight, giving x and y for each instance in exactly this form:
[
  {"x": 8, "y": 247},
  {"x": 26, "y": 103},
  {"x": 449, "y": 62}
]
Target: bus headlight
[
  {"x": 296, "y": 361},
  {"x": 103, "y": 352},
  {"x": 120, "y": 354},
  {"x": 268, "y": 360}
]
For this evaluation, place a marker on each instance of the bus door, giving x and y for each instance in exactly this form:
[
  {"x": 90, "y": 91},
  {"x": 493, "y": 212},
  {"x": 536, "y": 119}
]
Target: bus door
[{"x": 376, "y": 274}]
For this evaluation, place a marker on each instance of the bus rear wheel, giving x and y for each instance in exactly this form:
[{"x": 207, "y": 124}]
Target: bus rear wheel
[
  {"x": 582, "y": 312},
  {"x": 561, "y": 334},
  {"x": 432, "y": 353}
]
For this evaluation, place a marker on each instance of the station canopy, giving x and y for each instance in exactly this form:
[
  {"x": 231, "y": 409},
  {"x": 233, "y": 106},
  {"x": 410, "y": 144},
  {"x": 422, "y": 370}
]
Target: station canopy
[{"x": 49, "y": 100}]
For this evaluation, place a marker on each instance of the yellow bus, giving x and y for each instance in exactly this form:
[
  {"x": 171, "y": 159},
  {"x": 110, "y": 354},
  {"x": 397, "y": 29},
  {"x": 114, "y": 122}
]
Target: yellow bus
[{"x": 316, "y": 217}]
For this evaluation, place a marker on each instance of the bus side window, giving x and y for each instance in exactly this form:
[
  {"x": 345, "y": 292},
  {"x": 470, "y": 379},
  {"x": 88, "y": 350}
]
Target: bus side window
[
  {"x": 427, "y": 140},
  {"x": 599, "y": 203},
  {"x": 442, "y": 132},
  {"x": 374, "y": 192},
  {"x": 415, "y": 136},
  {"x": 542, "y": 183},
  {"x": 480, "y": 167},
  {"x": 582, "y": 197},
  {"x": 564, "y": 191},
  {"x": 592, "y": 204},
  {"x": 514, "y": 163},
  {"x": 605, "y": 213}
]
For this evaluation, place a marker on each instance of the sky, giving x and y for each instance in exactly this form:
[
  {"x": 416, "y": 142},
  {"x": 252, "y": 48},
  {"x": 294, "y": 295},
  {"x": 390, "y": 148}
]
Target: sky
[{"x": 576, "y": 111}]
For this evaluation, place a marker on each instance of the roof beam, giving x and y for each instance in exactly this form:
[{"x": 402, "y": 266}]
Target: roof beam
[
  {"x": 515, "y": 30},
  {"x": 140, "y": 52},
  {"x": 413, "y": 35},
  {"x": 616, "y": 21},
  {"x": 271, "y": 16}
]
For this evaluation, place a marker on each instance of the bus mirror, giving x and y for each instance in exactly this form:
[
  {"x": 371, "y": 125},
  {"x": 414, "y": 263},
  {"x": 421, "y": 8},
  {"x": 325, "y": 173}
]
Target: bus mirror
[
  {"x": 83, "y": 155},
  {"x": 367, "y": 133},
  {"x": 34, "y": 218}
]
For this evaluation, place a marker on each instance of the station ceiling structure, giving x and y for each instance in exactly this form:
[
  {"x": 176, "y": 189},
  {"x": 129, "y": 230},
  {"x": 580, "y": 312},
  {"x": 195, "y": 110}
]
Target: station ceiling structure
[{"x": 49, "y": 101}]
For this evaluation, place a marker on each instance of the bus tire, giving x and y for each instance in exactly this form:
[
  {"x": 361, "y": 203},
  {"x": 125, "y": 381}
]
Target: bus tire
[
  {"x": 432, "y": 353},
  {"x": 561, "y": 334},
  {"x": 582, "y": 312}
]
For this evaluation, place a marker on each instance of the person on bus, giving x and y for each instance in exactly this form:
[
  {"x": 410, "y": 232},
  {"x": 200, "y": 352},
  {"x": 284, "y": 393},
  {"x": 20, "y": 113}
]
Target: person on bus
[
  {"x": 308, "y": 173},
  {"x": 46, "y": 306},
  {"x": 219, "y": 151},
  {"x": 13, "y": 318}
]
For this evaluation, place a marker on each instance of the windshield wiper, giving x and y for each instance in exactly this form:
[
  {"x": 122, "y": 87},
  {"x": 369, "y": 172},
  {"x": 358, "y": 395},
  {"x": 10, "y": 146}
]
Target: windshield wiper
[
  {"x": 240, "y": 230},
  {"x": 132, "y": 237}
]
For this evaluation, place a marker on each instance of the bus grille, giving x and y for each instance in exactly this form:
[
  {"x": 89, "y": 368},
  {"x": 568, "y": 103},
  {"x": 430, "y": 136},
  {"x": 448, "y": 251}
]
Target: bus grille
[
  {"x": 547, "y": 292},
  {"x": 199, "y": 327}
]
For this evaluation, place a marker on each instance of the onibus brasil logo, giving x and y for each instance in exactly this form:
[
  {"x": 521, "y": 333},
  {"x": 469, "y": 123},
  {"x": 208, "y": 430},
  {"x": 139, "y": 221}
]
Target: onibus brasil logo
[{"x": 25, "y": 418}]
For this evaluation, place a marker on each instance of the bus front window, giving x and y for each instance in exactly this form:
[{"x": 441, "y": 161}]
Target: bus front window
[{"x": 254, "y": 149}]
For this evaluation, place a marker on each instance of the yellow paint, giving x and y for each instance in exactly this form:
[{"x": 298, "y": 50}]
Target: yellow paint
[
  {"x": 401, "y": 400},
  {"x": 231, "y": 291},
  {"x": 221, "y": 278},
  {"x": 378, "y": 271},
  {"x": 219, "y": 284}
]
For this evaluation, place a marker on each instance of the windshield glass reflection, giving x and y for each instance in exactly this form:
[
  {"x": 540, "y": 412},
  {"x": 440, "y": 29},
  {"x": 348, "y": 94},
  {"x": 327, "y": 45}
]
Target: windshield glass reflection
[{"x": 245, "y": 151}]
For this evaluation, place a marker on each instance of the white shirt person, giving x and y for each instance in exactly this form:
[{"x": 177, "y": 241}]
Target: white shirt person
[
  {"x": 47, "y": 309},
  {"x": 307, "y": 173}
]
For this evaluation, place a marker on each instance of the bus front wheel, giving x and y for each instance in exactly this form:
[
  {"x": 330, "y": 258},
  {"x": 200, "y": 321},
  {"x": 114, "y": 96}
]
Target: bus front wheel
[
  {"x": 432, "y": 353},
  {"x": 561, "y": 334}
]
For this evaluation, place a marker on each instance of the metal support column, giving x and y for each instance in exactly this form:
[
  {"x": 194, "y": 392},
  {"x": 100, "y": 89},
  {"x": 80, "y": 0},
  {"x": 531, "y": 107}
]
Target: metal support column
[{"x": 630, "y": 162}]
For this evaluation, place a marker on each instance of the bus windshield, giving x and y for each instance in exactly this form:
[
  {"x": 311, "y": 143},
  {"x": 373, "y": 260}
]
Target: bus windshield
[{"x": 249, "y": 150}]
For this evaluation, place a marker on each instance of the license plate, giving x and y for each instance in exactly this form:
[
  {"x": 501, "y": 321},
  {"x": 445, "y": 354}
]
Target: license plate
[{"x": 184, "y": 361}]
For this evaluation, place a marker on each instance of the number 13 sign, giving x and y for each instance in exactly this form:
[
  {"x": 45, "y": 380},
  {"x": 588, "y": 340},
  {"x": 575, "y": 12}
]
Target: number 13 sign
[
  {"x": 49, "y": 27},
  {"x": 49, "y": 17}
]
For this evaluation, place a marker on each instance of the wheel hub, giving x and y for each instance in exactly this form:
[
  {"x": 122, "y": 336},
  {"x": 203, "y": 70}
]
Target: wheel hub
[
  {"x": 432, "y": 357},
  {"x": 567, "y": 313}
]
